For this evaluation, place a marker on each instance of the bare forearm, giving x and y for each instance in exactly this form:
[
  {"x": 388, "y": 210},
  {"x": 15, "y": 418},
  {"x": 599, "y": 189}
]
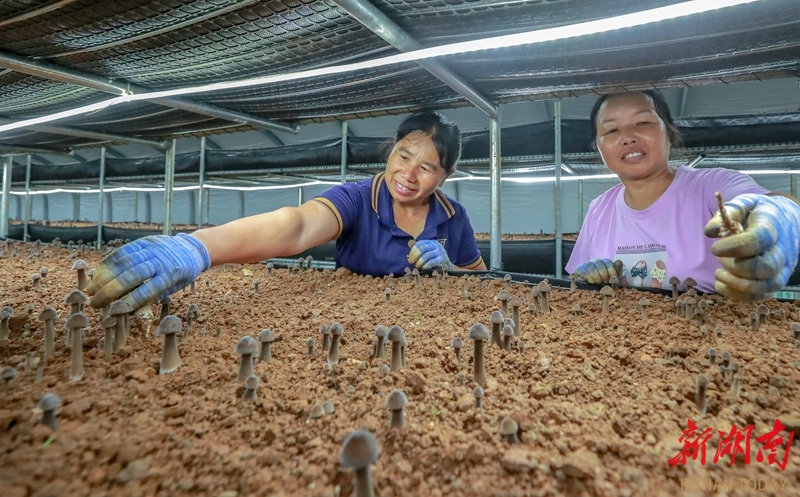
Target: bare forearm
[{"x": 255, "y": 238}]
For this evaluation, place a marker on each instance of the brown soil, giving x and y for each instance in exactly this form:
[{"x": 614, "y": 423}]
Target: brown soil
[
  {"x": 527, "y": 236},
  {"x": 600, "y": 406}
]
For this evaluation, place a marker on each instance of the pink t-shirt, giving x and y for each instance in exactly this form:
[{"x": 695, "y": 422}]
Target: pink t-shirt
[{"x": 667, "y": 238}]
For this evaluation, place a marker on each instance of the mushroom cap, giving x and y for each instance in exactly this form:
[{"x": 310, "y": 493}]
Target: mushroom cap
[
  {"x": 712, "y": 351},
  {"x": 120, "y": 307},
  {"x": 49, "y": 402},
  {"x": 689, "y": 281},
  {"x": 543, "y": 286},
  {"x": 415, "y": 272},
  {"x": 734, "y": 367},
  {"x": 193, "y": 308},
  {"x": 325, "y": 329},
  {"x": 762, "y": 309},
  {"x": 702, "y": 304},
  {"x": 266, "y": 335},
  {"x": 478, "y": 332},
  {"x": 515, "y": 301},
  {"x": 384, "y": 369},
  {"x": 110, "y": 322},
  {"x": 77, "y": 320},
  {"x": 644, "y": 302},
  {"x": 381, "y": 331},
  {"x": 477, "y": 392},
  {"x": 753, "y": 315},
  {"x": 689, "y": 301},
  {"x": 169, "y": 325},
  {"x": 504, "y": 295},
  {"x": 76, "y": 297},
  {"x": 8, "y": 309},
  {"x": 8, "y": 373},
  {"x": 396, "y": 400},
  {"x": 396, "y": 334},
  {"x": 166, "y": 300},
  {"x": 44, "y": 270},
  {"x": 317, "y": 411},
  {"x": 508, "y": 331},
  {"x": 702, "y": 381},
  {"x": 509, "y": 322},
  {"x": 48, "y": 314},
  {"x": 535, "y": 292},
  {"x": 726, "y": 356},
  {"x": 457, "y": 343},
  {"x": 359, "y": 450},
  {"x": 794, "y": 326},
  {"x": 36, "y": 276},
  {"x": 256, "y": 281},
  {"x": 674, "y": 280},
  {"x": 388, "y": 291},
  {"x": 407, "y": 270},
  {"x": 614, "y": 280},
  {"x": 310, "y": 342},
  {"x": 337, "y": 329},
  {"x": 607, "y": 291},
  {"x": 699, "y": 311},
  {"x": 91, "y": 272},
  {"x": 508, "y": 426},
  {"x": 251, "y": 382},
  {"x": 246, "y": 345},
  {"x": 496, "y": 317},
  {"x": 328, "y": 407},
  {"x": 573, "y": 276},
  {"x": 576, "y": 307},
  {"x": 4, "y": 315},
  {"x": 79, "y": 264}
]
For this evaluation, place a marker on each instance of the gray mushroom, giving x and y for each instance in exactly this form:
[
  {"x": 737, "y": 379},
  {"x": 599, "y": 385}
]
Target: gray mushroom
[
  {"x": 170, "y": 326},
  {"x": 250, "y": 387},
  {"x": 49, "y": 316},
  {"x": 496, "y": 319},
  {"x": 395, "y": 402},
  {"x": 265, "y": 338},
  {"x": 478, "y": 333},
  {"x": 457, "y": 344},
  {"x": 380, "y": 348},
  {"x": 359, "y": 451},
  {"x": 325, "y": 329},
  {"x": 81, "y": 267},
  {"x": 396, "y": 336},
  {"x": 509, "y": 428},
  {"x": 477, "y": 392},
  {"x": 75, "y": 323},
  {"x": 76, "y": 301},
  {"x": 107, "y": 325},
  {"x": 120, "y": 310},
  {"x": 246, "y": 347},
  {"x": 48, "y": 404},
  {"x": 333, "y": 353}
]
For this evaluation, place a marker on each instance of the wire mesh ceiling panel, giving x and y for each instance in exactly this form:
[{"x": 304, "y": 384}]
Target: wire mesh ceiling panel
[{"x": 84, "y": 50}]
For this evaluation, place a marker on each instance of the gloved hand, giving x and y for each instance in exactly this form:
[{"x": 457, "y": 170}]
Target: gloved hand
[
  {"x": 429, "y": 254},
  {"x": 759, "y": 260},
  {"x": 598, "y": 271},
  {"x": 148, "y": 269}
]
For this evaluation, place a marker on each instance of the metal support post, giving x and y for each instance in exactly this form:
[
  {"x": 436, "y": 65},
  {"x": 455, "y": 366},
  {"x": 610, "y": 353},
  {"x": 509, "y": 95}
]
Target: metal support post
[
  {"x": 45, "y": 208},
  {"x": 109, "y": 208},
  {"x": 76, "y": 206},
  {"x": 135, "y": 206},
  {"x": 300, "y": 196},
  {"x": 208, "y": 206},
  {"x": 580, "y": 204},
  {"x": 102, "y": 197},
  {"x": 201, "y": 180},
  {"x": 169, "y": 183},
  {"x": 344, "y": 152},
  {"x": 457, "y": 191},
  {"x": 495, "y": 233},
  {"x": 28, "y": 200},
  {"x": 192, "y": 208},
  {"x": 9, "y": 164},
  {"x": 793, "y": 185},
  {"x": 148, "y": 208},
  {"x": 241, "y": 204},
  {"x": 18, "y": 207},
  {"x": 559, "y": 236}
]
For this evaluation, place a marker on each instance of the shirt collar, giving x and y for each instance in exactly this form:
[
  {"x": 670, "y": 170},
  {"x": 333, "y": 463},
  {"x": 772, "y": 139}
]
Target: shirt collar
[{"x": 441, "y": 209}]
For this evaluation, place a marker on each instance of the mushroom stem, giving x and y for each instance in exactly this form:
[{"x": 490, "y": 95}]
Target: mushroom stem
[
  {"x": 119, "y": 334},
  {"x": 333, "y": 353},
  {"x": 108, "y": 342},
  {"x": 245, "y": 367},
  {"x": 380, "y": 348},
  {"x": 605, "y": 304},
  {"x": 397, "y": 360},
  {"x": 266, "y": 352},
  {"x": 326, "y": 343},
  {"x": 49, "y": 340},
  {"x": 363, "y": 485},
  {"x": 76, "y": 355},
  {"x": 398, "y": 418},
  {"x": 170, "y": 359},
  {"x": 478, "y": 371}
]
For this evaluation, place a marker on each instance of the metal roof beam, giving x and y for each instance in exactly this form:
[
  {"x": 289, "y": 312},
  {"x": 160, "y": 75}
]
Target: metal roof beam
[
  {"x": 380, "y": 24},
  {"x": 49, "y": 70},
  {"x": 94, "y": 135},
  {"x": 113, "y": 153},
  {"x": 7, "y": 149},
  {"x": 272, "y": 137},
  {"x": 34, "y": 13}
]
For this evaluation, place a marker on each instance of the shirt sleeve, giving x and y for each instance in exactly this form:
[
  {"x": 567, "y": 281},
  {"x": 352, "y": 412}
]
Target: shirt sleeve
[
  {"x": 730, "y": 183},
  {"x": 346, "y": 203},
  {"x": 468, "y": 257}
]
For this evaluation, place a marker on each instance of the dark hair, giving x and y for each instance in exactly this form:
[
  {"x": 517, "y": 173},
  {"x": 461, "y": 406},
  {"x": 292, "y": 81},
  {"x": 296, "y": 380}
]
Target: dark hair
[
  {"x": 661, "y": 108},
  {"x": 444, "y": 134}
]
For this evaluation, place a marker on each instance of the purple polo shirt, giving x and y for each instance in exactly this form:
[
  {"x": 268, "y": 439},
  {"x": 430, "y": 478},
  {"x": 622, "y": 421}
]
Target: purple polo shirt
[{"x": 369, "y": 242}]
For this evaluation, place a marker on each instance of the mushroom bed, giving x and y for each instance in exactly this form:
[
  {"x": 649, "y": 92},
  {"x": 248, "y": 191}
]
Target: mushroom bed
[{"x": 600, "y": 401}]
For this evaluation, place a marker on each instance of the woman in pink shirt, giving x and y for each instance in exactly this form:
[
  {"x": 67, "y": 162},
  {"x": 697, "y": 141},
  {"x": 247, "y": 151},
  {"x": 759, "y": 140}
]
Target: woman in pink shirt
[{"x": 660, "y": 221}]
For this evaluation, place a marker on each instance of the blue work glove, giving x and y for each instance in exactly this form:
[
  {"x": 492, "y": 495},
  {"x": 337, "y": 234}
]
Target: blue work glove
[
  {"x": 598, "y": 271},
  {"x": 148, "y": 269},
  {"x": 759, "y": 260},
  {"x": 429, "y": 254}
]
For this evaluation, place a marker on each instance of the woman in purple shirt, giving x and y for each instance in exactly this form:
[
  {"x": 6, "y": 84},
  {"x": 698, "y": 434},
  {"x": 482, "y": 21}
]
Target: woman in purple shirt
[
  {"x": 395, "y": 220},
  {"x": 660, "y": 221}
]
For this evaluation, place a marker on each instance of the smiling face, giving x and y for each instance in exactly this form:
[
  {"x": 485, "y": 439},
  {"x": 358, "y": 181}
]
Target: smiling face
[
  {"x": 413, "y": 171},
  {"x": 631, "y": 137}
]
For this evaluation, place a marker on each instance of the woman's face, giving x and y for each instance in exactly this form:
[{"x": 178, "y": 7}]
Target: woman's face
[
  {"x": 631, "y": 138},
  {"x": 413, "y": 171}
]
